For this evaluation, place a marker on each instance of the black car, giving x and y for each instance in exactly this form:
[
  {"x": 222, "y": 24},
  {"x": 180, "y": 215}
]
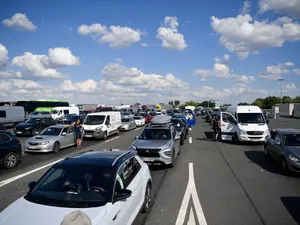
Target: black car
[
  {"x": 2, "y": 127},
  {"x": 10, "y": 150},
  {"x": 72, "y": 119},
  {"x": 33, "y": 125},
  {"x": 180, "y": 127}
]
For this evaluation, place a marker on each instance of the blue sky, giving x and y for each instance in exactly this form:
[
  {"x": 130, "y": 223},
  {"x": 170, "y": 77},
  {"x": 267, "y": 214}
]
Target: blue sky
[{"x": 156, "y": 50}]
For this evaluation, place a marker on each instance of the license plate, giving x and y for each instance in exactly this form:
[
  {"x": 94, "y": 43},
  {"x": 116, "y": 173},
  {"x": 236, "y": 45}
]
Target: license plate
[
  {"x": 148, "y": 159},
  {"x": 19, "y": 132},
  {"x": 88, "y": 135},
  {"x": 32, "y": 148}
]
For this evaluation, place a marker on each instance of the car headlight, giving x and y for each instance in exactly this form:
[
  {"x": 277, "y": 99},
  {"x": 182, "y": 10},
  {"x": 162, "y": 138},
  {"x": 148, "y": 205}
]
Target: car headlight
[
  {"x": 243, "y": 131},
  {"x": 133, "y": 147},
  {"x": 28, "y": 128},
  {"x": 166, "y": 148},
  {"x": 44, "y": 143},
  {"x": 98, "y": 128},
  {"x": 293, "y": 158},
  {"x": 26, "y": 143}
]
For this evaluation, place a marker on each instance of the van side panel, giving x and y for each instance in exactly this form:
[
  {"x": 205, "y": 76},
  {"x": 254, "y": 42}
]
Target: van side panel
[{"x": 11, "y": 115}]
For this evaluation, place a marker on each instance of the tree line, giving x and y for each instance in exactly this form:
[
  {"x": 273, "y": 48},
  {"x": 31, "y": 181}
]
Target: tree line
[{"x": 268, "y": 102}]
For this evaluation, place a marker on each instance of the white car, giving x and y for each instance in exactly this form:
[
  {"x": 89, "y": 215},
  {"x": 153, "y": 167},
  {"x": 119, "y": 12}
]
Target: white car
[
  {"x": 139, "y": 121},
  {"x": 110, "y": 186}
]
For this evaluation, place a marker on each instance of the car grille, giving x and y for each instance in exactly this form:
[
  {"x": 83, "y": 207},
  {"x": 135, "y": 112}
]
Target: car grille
[
  {"x": 89, "y": 131},
  {"x": 255, "y": 132},
  {"x": 148, "y": 152},
  {"x": 33, "y": 143}
]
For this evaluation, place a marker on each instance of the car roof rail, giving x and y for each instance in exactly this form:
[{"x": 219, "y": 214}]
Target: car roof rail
[
  {"x": 79, "y": 153},
  {"x": 119, "y": 157}
]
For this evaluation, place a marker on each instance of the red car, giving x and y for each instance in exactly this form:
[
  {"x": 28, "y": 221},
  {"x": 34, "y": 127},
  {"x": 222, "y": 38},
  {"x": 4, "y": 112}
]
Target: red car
[{"x": 148, "y": 117}]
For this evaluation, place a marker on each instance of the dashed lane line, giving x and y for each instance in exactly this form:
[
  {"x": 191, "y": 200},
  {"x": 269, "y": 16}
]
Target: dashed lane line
[
  {"x": 190, "y": 140},
  {"x": 112, "y": 139}
]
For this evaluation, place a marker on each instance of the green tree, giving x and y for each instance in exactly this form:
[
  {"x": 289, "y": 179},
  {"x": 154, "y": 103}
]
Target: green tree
[
  {"x": 243, "y": 103},
  {"x": 176, "y": 103},
  {"x": 191, "y": 103},
  {"x": 296, "y": 100},
  {"x": 225, "y": 105},
  {"x": 287, "y": 99},
  {"x": 259, "y": 103}
]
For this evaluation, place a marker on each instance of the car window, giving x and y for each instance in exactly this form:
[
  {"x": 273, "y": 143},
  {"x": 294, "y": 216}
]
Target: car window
[
  {"x": 4, "y": 138},
  {"x": 228, "y": 118},
  {"x": 2, "y": 113},
  {"x": 277, "y": 137},
  {"x": 134, "y": 167},
  {"x": 66, "y": 111},
  {"x": 108, "y": 120}
]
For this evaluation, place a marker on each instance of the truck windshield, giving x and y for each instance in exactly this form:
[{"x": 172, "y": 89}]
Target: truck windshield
[
  {"x": 94, "y": 120},
  {"x": 250, "y": 118}
]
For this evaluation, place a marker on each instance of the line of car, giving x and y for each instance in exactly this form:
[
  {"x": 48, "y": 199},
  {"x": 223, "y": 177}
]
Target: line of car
[{"x": 111, "y": 186}]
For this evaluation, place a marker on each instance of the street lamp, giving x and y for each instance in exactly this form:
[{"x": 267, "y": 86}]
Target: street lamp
[{"x": 280, "y": 80}]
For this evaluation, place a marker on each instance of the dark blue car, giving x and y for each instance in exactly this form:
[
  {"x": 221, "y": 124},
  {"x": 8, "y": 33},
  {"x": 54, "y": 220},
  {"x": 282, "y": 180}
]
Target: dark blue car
[{"x": 10, "y": 150}]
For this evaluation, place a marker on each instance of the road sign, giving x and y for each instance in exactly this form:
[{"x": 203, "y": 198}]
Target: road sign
[{"x": 212, "y": 101}]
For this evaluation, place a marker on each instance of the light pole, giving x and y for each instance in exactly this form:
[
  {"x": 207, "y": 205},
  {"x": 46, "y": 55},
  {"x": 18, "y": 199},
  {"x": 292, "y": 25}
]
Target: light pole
[{"x": 280, "y": 89}]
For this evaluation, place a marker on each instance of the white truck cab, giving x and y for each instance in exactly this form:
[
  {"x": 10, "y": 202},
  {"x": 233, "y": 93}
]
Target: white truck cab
[
  {"x": 60, "y": 112},
  {"x": 101, "y": 124},
  {"x": 244, "y": 123}
]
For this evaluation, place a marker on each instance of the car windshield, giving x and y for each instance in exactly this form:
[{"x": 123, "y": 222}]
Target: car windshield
[
  {"x": 34, "y": 113},
  {"x": 52, "y": 131},
  {"x": 156, "y": 134},
  {"x": 94, "y": 119},
  {"x": 125, "y": 113},
  {"x": 33, "y": 120},
  {"x": 136, "y": 118},
  {"x": 55, "y": 111},
  {"x": 291, "y": 139},
  {"x": 73, "y": 117},
  {"x": 250, "y": 118},
  {"x": 176, "y": 121},
  {"x": 125, "y": 120},
  {"x": 73, "y": 187}
]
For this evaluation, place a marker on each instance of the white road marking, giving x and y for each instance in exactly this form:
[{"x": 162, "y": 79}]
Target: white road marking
[
  {"x": 191, "y": 193},
  {"x": 190, "y": 129},
  {"x": 138, "y": 128},
  {"x": 111, "y": 139},
  {"x": 190, "y": 140},
  {"x": 191, "y": 220},
  {"x": 12, "y": 179}
]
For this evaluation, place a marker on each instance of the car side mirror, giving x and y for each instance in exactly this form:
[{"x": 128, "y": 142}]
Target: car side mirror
[
  {"x": 136, "y": 137},
  {"x": 64, "y": 134},
  {"x": 122, "y": 194},
  {"x": 31, "y": 185}
]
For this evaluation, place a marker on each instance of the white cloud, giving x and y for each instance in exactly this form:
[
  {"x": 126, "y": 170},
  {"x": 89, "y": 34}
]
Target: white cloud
[
  {"x": 116, "y": 71},
  {"x": 276, "y": 72},
  {"x": 20, "y": 21},
  {"x": 119, "y": 60},
  {"x": 242, "y": 35},
  {"x": 296, "y": 71},
  {"x": 25, "y": 84},
  {"x": 44, "y": 66},
  {"x": 246, "y": 7},
  {"x": 289, "y": 87},
  {"x": 62, "y": 57},
  {"x": 87, "y": 86},
  {"x": 144, "y": 45},
  {"x": 290, "y": 7},
  {"x": 169, "y": 34},
  {"x": 3, "y": 56},
  {"x": 115, "y": 36}
]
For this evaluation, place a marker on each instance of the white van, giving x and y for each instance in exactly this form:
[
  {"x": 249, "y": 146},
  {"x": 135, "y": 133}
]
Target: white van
[
  {"x": 244, "y": 123},
  {"x": 11, "y": 115},
  {"x": 60, "y": 112},
  {"x": 101, "y": 124}
]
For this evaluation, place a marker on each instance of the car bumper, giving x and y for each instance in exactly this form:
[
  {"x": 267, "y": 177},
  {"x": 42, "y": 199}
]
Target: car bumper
[
  {"x": 139, "y": 124},
  {"x": 39, "y": 148},
  {"x": 157, "y": 161},
  {"x": 124, "y": 128},
  {"x": 94, "y": 135},
  {"x": 293, "y": 166},
  {"x": 249, "y": 138}
]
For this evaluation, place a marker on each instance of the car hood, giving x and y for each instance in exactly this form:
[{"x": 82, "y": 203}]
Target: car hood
[
  {"x": 24, "y": 125},
  {"x": 125, "y": 124},
  {"x": 39, "y": 138},
  {"x": 151, "y": 144},
  {"x": 19, "y": 213},
  {"x": 253, "y": 127},
  {"x": 295, "y": 150}
]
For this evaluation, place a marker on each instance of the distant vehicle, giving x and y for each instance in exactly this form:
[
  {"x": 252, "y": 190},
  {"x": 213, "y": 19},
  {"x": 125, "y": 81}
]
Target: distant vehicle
[
  {"x": 126, "y": 114},
  {"x": 30, "y": 106},
  {"x": 158, "y": 113},
  {"x": 52, "y": 139},
  {"x": 11, "y": 115},
  {"x": 104, "y": 109},
  {"x": 128, "y": 123},
  {"x": 10, "y": 150},
  {"x": 42, "y": 114},
  {"x": 44, "y": 109},
  {"x": 70, "y": 119},
  {"x": 244, "y": 123},
  {"x": 181, "y": 128},
  {"x": 106, "y": 185},
  {"x": 181, "y": 116},
  {"x": 102, "y": 124},
  {"x": 33, "y": 126},
  {"x": 159, "y": 142},
  {"x": 2, "y": 127},
  {"x": 283, "y": 146},
  {"x": 147, "y": 117},
  {"x": 139, "y": 121},
  {"x": 60, "y": 112}
]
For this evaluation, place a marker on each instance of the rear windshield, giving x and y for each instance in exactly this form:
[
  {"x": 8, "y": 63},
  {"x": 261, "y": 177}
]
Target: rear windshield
[{"x": 136, "y": 118}]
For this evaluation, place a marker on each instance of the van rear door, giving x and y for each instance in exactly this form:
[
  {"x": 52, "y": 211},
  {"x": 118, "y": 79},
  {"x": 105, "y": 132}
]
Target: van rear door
[{"x": 228, "y": 126}]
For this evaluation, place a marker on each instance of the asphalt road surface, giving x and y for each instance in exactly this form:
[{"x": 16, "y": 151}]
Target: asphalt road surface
[{"x": 211, "y": 183}]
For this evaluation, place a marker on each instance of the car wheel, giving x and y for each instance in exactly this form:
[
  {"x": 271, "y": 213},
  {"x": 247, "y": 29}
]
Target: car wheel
[
  {"x": 147, "y": 200},
  {"x": 33, "y": 132},
  {"x": 118, "y": 131},
  {"x": 235, "y": 139},
  {"x": 266, "y": 151},
  {"x": 10, "y": 160},
  {"x": 284, "y": 165},
  {"x": 173, "y": 160},
  {"x": 105, "y": 136},
  {"x": 181, "y": 140},
  {"x": 56, "y": 147}
]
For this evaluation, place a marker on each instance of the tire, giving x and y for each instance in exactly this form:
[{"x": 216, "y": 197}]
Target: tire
[
  {"x": 105, "y": 135},
  {"x": 266, "y": 151},
  {"x": 118, "y": 131},
  {"x": 147, "y": 200},
  {"x": 235, "y": 139},
  {"x": 284, "y": 166},
  {"x": 10, "y": 160},
  {"x": 33, "y": 132},
  {"x": 173, "y": 160},
  {"x": 56, "y": 147},
  {"x": 181, "y": 140}
]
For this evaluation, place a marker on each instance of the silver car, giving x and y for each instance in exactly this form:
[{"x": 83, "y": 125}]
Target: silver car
[
  {"x": 283, "y": 145},
  {"x": 128, "y": 123},
  {"x": 52, "y": 139},
  {"x": 159, "y": 142}
]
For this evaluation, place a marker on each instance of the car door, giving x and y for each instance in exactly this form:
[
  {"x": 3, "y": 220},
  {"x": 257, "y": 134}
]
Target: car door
[
  {"x": 228, "y": 126},
  {"x": 70, "y": 136},
  {"x": 270, "y": 144},
  {"x": 277, "y": 149},
  {"x": 64, "y": 138},
  {"x": 174, "y": 133},
  {"x": 120, "y": 209},
  {"x": 4, "y": 144}
]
